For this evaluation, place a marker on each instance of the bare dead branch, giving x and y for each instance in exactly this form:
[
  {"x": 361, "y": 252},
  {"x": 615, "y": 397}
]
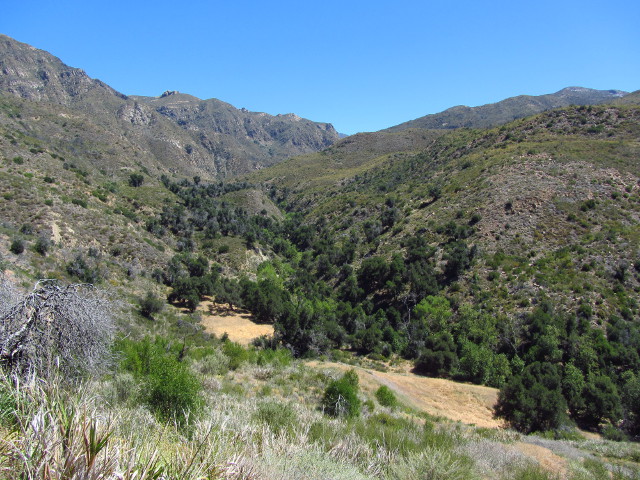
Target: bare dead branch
[{"x": 66, "y": 328}]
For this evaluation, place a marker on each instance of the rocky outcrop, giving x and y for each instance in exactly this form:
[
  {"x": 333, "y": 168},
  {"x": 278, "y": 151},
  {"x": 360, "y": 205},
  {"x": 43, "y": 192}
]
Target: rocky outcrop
[{"x": 182, "y": 132}]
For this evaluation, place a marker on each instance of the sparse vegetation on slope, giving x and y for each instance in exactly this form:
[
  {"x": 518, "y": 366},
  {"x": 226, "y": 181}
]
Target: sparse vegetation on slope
[
  {"x": 504, "y": 257},
  {"x": 510, "y": 109}
]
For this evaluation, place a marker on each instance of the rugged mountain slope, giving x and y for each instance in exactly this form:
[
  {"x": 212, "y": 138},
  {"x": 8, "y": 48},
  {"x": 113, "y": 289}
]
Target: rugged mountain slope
[
  {"x": 494, "y": 114},
  {"x": 632, "y": 98},
  {"x": 264, "y": 138},
  {"x": 347, "y": 157},
  {"x": 554, "y": 196},
  {"x": 180, "y": 132},
  {"x": 480, "y": 253}
]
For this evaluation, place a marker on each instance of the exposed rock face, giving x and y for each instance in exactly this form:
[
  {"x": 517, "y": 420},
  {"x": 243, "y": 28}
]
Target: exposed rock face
[
  {"x": 37, "y": 75},
  {"x": 182, "y": 132},
  {"x": 135, "y": 114},
  {"x": 267, "y": 138}
]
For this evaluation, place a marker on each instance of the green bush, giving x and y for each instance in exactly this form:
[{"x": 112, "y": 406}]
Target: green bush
[
  {"x": 588, "y": 205},
  {"x": 275, "y": 357},
  {"x": 26, "y": 229},
  {"x": 17, "y": 246},
  {"x": 79, "y": 202},
  {"x": 386, "y": 397},
  {"x": 42, "y": 245},
  {"x": 168, "y": 387},
  {"x": 237, "y": 354},
  {"x": 79, "y": 268},
  {"x": 341, "y": 396},
  {"x": 614, "y": 434},
  {"x": 150, "y": 304},
  {"x": 215, "y": 363},
  {"x": 136, "y": 179},
  {"x": 171, "y": 391}
]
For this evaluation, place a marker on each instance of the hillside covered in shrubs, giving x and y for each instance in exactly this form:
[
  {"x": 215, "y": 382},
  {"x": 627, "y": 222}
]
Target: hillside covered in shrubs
[{"x": 505, "y": 257}]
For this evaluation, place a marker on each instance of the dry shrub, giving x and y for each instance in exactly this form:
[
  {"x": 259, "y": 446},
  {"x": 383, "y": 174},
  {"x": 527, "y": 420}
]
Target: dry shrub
[{"x": 68, "y": 328}]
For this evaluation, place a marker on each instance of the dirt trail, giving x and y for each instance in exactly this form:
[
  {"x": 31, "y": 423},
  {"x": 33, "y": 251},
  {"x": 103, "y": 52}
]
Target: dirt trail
[
  {"x": 471, "y": 404},
  {"x": 218, "y": 319},
  {"x": 545, "y": 457}
]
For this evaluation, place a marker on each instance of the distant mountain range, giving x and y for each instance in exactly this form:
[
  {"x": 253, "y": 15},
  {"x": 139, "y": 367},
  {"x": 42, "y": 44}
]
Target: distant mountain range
[
  {"x": 502, "y": 112},
  {"x": 181, "y": 132},
  {"x": 182, "y": 135}
]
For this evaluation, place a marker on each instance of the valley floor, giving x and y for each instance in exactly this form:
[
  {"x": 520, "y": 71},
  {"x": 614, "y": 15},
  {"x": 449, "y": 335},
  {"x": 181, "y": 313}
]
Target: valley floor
[
  {"x": 459, "y": 402},
  {"x": 237, "y": 324}
]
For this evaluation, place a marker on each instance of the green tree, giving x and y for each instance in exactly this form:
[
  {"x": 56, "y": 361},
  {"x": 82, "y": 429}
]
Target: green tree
[
  {"x": 459, "y": 258},
  {"x": 631, "y": 402},
  {"x": 436, "y": 312},
  {"x": 573, "y": 385},
  {"x": 476, "y": 326},
  {"x": 372, "y": 274},
  {"x": 481, "y": 365},
  {"x": 533, "y": 401},
  {"x": 185, "y": 292},
  {"x": 602, "y": 402},
  {"x": 265, "y": 299},
  {"x": 439, "y": 357},
  {"x": 136, "y": 179}
]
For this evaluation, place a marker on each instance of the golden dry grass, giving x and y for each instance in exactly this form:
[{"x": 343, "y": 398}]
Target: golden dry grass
[
  {"x": 466, "y": 403},
  {"x": 238, "y": 324},
  {"x": 548, "y": 460}
]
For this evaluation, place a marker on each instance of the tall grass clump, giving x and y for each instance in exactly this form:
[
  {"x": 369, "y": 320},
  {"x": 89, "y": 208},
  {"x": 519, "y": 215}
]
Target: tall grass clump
[
  {"x": 55, "y": 433},
  {"x": 278, "y": 415}
]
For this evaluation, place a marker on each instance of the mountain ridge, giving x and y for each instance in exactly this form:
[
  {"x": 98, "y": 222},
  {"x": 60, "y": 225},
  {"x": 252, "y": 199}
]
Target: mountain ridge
[
  {"x": 232, "y": 141},
  {"x": 504, "y": 111}
]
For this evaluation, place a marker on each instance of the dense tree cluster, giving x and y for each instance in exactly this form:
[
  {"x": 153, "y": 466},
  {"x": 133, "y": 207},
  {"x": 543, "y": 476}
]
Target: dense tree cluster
[
  {"x": 572, "y": 367},
  {"x": 319, "y": 297}
]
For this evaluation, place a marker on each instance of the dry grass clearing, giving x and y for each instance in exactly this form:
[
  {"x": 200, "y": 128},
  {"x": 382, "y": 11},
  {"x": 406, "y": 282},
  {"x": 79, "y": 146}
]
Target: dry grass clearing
[
  {"x": 238, "y": 324},
  {"x": 466, "y": 403}
]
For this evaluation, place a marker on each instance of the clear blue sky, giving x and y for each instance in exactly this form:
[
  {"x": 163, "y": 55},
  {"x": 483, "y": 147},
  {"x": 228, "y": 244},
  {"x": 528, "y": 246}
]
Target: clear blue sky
[{"x": 361, "y": 65}]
